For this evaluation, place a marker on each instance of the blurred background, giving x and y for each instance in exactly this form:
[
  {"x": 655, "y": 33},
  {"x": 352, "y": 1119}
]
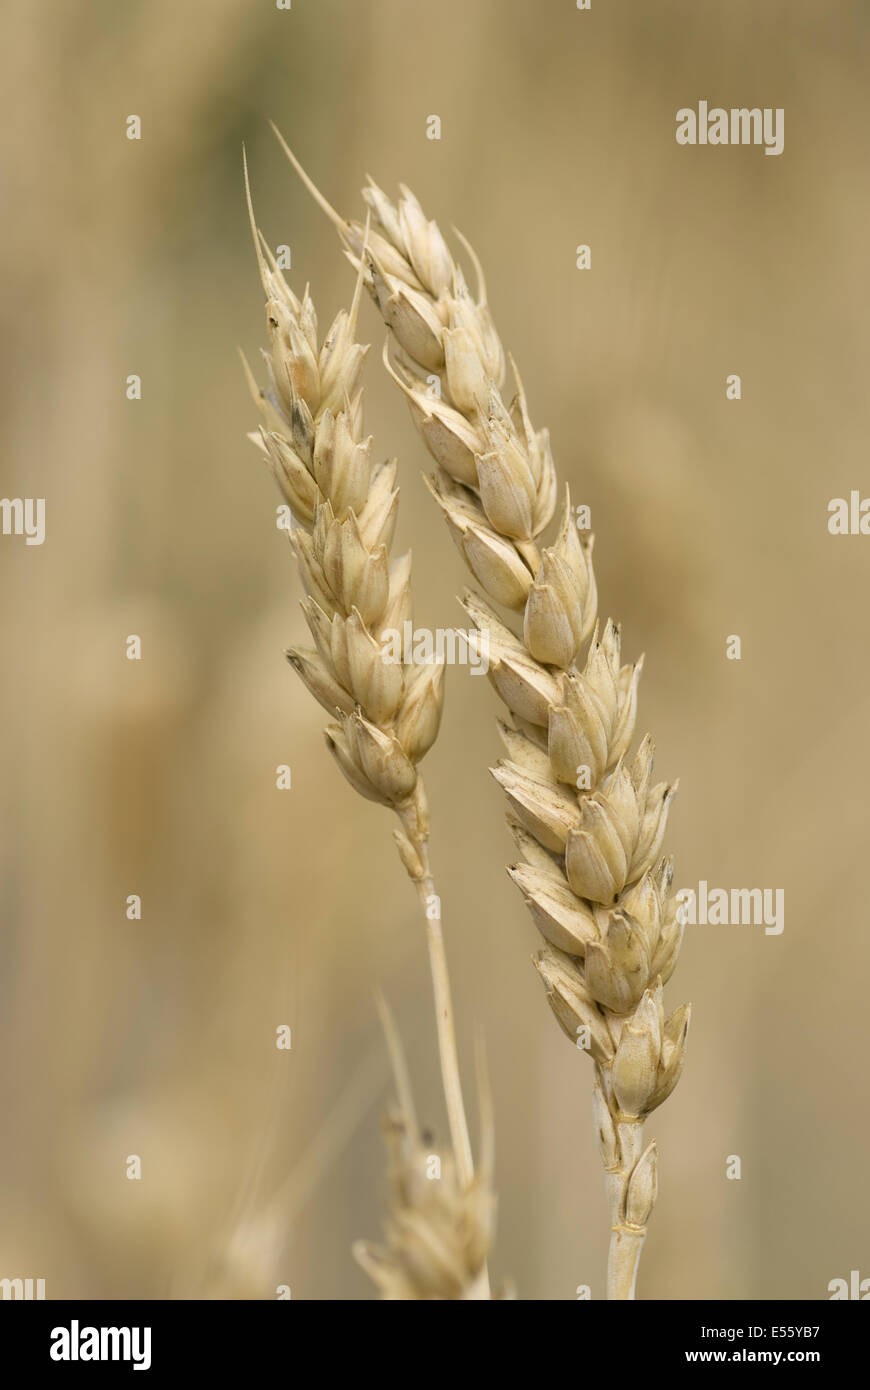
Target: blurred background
[{"x": 157, "y": 777}]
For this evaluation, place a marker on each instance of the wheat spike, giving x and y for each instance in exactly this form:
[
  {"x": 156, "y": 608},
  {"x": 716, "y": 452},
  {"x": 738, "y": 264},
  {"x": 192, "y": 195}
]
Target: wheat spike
[
  {"x": 438, "y": 1230},
  {"x": 343, "y": 505},
  {"x": 587, "y": 818}
]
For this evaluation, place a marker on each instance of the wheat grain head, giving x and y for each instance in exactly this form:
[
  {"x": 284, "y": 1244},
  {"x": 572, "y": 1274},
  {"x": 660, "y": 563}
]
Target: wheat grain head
[{"x": 343, "y": 508}]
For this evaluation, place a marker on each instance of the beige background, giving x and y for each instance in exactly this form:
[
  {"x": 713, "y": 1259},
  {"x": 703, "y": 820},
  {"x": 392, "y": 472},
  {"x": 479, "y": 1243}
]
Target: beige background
[{"x": 260, "y": 907}]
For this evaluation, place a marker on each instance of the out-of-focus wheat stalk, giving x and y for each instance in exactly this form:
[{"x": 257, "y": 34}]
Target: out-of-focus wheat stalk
[
  {"x": 343, "y": 508},
  {"x": 587, "y": 819}
]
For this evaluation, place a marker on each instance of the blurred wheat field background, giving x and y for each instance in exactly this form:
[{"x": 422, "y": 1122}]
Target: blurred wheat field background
[{"x": 157, "y": 777}]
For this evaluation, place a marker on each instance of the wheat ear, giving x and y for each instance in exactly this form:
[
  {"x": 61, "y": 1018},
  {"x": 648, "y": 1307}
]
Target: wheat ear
[
  {"x": 588, "y": 822},
  {"x": 438, "y": 1229},
  {"x": 344, "y": 508}
]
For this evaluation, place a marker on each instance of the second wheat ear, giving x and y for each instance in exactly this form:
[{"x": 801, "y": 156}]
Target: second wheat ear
[
  {"x": 587, "y": 818},
  {"x": 386, "y": 712}
]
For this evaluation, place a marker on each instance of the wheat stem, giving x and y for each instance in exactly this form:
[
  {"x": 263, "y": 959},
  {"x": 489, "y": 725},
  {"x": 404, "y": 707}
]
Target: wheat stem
[
  {"x": 414, "y": 820},
  {"x": 626, "y": 1241},
  {"x": 450, "y": 1076}
]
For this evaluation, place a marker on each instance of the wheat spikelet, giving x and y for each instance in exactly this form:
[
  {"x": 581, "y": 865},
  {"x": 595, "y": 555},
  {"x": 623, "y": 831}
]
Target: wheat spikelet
[
  {"x": 587, "y": 819},
  {"x": 387, "y": 712}
]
